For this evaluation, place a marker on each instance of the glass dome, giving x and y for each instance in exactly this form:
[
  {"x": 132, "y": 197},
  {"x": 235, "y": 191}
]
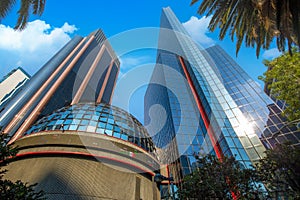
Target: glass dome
[{"x": 101, "y": 119}]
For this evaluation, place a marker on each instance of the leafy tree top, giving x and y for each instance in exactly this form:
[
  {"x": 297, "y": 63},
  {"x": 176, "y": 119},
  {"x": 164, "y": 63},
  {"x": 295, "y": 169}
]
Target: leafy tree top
[
  {"x": 283, "y": 80},
  {"x": 280, "y": 170},
  {"x": 215, "y": 179}
]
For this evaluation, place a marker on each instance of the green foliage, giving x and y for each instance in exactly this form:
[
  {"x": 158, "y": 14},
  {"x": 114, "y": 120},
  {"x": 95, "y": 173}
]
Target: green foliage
[
  {"x": 277, "y": 175},
  {"x": 18, "y": 190},
  {"x": 215, "y": 179},
  {"x": 283, "y": 79},
  {"x": 7, "y": 152},
  {"x": 36, "y": 7},
  {"x": 255, "y": 22},
  {"x": 14, "y": 190},
  {"x": 280, "y": 171}
]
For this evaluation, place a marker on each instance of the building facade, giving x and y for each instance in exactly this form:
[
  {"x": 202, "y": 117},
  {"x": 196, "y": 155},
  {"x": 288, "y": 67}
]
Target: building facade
[
  {"x": 277, "y": 129},
  {"x": 84, "y": 70},
  {"x": 71, "y": 141},
  {"x": 87, "y": 151},
  {"x": 11, "y": 84},
  {"x": 207, "y": 104}
]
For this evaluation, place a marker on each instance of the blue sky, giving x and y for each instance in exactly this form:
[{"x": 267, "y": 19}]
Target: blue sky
[{"x": 62, "y": 20}]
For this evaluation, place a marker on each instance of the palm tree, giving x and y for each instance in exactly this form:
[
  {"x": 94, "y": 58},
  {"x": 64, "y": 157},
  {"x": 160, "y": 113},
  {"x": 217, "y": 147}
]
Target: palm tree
[
  {"x": 256, "y": 22},
  {"x": 27, "y": 6}
]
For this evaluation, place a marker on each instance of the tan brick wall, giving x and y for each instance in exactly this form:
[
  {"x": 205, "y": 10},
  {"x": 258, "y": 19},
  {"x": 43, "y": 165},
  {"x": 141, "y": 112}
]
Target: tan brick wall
[{"x": 77, "y": 178}]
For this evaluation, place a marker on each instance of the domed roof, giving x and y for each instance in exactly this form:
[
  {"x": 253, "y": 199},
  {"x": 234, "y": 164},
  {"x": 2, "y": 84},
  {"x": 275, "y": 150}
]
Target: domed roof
[{"x": 101, "y": 119}]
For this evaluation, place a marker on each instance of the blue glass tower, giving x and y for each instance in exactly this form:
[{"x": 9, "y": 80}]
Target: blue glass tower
[
  {"x": 254, "y": 103},
  {"x": 205, "y": 104}
]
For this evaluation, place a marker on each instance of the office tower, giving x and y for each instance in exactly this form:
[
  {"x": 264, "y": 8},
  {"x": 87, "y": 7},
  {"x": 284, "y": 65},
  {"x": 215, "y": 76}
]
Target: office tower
[
  {"x": 201, "y": 102},
  {"x": 11, "y": 84},
  {"x": 71, "y": 141},
  {"x": 84, "y": 70},
  {"x": 277, "y": 130}
]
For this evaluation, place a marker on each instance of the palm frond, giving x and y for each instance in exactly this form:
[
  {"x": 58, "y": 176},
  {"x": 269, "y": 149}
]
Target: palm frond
[
  {"x": 38, "y": 6},
  {"x": 294, "y": 9},
  {"x": 5, "y": 7},
  {"x": 23, "y": 15},
  {"x": 255, "y": 22}
]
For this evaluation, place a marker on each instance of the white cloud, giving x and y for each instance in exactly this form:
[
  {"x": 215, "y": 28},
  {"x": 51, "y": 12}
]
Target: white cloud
[
  {"x": 129, "y": 62},
  {"x": 32, "y": 47},
  {"x": 68, "y": 28},
  {"x": 271, "y": 53},
  {"x": 198, "y": 28}
]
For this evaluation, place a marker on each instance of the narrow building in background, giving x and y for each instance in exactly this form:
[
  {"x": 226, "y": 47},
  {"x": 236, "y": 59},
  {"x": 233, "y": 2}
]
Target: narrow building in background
[{"x": 11, "y": 84}]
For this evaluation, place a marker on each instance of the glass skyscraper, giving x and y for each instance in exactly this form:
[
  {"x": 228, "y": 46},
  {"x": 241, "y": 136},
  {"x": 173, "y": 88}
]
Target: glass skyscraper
[
  {"x": 84, "y": 70},
  {"x": 254, "y": 103},
  {"x": 205, "y": 104}
]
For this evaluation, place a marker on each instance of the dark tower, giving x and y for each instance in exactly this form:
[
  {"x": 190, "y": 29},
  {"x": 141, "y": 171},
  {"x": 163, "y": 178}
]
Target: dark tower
[{"x": 84, "y": 70}]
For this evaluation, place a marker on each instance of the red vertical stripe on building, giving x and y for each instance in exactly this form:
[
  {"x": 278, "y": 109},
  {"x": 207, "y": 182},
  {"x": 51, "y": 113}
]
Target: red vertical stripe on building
[
  {"x": 206, "y": 121},
  {"x": 203, "y": 114}
]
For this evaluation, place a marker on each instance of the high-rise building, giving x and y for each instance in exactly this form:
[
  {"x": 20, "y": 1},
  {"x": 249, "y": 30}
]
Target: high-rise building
[
  {"x": 84, "y": 70},
  {"x": 201, "y": 102},
  {"x": 11, "y": 84},
  {"x": 71, "y": 141},
  {"x": 277, "y": 128}
]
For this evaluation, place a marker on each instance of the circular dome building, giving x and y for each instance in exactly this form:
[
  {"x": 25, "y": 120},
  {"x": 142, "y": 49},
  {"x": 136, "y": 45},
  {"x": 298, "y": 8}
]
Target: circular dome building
[
  {"x": 102, "y": 119},
  {"x": 88, "y": 151}
]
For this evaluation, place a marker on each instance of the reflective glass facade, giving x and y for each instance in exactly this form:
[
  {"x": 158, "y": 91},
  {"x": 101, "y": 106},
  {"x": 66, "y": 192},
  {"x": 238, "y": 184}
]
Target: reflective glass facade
[
  {"x": 84, "y": 70},
  {"x": 212, "y": 106},
  {"x": 260, "y": 110},
  {"x": 100, "y": 119}
]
